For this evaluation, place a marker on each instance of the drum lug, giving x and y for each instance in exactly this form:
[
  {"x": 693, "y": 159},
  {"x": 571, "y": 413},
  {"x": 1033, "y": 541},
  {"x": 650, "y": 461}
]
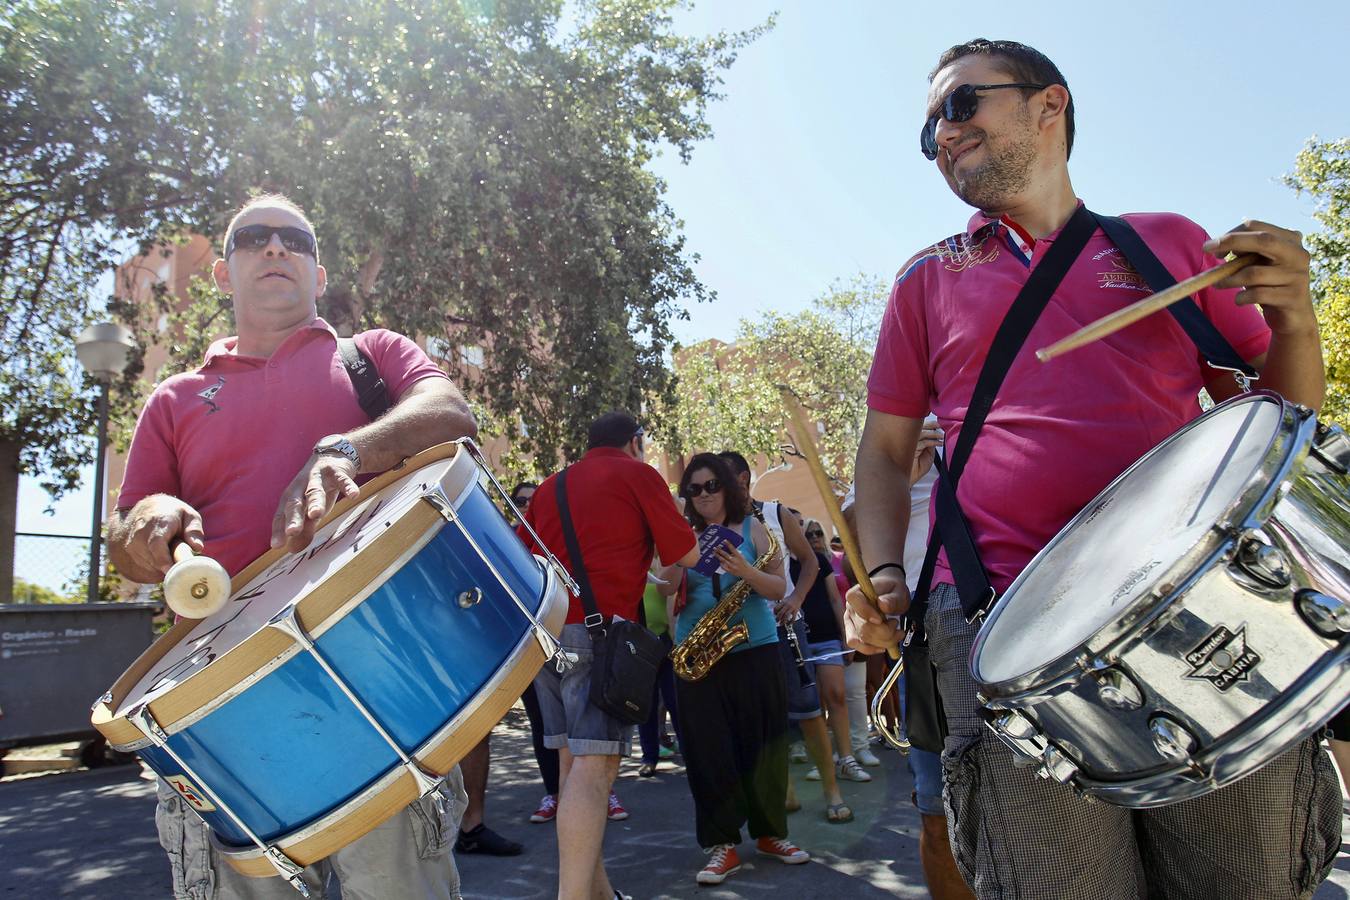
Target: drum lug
[
  {"x": 1117, "y": 690},
  {"x": 1013, "y": 724},
  {"x": 470, "y": 598},
  {"x": 1331, "y": 446},
  {"x": 1172, "y": 740},
  {"x": 1264, "y": 562},
  {"x": 1056, "y": 765},
  {"x": 1329, "y": 616}
]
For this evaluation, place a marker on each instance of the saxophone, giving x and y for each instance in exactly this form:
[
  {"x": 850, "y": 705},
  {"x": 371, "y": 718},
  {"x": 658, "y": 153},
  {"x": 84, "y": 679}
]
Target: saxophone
[{"x": 712, "y": 638}]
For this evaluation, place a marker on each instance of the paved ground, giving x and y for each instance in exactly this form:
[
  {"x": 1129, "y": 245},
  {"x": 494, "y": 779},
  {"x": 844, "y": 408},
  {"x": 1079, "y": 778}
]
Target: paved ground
[{"x": 91, "y": 834}]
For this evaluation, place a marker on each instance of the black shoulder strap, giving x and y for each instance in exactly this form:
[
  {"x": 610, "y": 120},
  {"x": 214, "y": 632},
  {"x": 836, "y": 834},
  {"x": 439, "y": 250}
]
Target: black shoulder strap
[
  {"x": 953, "y": 532},
  {"x": 595, "y": 623},
  {"x": 371, "y": 391},
  {"x": 1211, "y": 343}
]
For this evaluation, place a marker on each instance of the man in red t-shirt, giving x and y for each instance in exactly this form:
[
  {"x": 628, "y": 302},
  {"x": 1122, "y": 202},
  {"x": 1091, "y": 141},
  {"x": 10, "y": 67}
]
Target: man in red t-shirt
[
  {"x": 1000, "y": 127},
  {"x": 622, "y": 512}
]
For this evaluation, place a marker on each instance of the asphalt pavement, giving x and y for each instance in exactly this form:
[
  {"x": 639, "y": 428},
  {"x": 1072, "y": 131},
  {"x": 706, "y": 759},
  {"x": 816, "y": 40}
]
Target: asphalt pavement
[{"x": 91, "y": 834}]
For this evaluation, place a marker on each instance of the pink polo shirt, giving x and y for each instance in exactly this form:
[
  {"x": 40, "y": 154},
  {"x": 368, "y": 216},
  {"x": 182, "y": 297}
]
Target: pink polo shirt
[
  {"x": 228, "y": 437},
  {"x": 1060, "y": 431}
]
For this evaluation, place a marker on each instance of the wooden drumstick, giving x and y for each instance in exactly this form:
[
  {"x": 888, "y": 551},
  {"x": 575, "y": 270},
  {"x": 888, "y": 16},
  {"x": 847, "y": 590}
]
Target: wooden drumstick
[
  {"x": 808, "y": 448},
  {"x": 196, "y": 586},
  {"x": 1110, "y": 324}
]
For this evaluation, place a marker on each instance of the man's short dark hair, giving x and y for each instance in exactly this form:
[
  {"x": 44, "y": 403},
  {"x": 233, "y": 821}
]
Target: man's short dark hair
[
  {"x": 613, "y": 429},
  {"x": 1019, "y": 62},
  {"x": 737, "y": 462}
]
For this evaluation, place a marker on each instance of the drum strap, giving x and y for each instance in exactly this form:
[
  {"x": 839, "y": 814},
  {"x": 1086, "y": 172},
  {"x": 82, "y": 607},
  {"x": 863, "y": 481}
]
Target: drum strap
[
  {"x": 371, "y": 391},
  {"x": 952, "y": 531},
  {"x": 1211, "y": 343}
]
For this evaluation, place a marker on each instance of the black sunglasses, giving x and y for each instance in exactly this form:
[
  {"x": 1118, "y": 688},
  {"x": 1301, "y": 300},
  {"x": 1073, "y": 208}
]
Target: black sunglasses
[
  {"x": 811, "y": 534},
  {"x": 712, "y": 486},
  {"x": 256, "y": 237},
  {"x": 960, "y": 106}
]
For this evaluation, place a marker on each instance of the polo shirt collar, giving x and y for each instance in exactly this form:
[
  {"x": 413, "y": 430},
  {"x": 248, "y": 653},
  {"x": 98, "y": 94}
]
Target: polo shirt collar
[
  {"x": 223, "y": 349},
  {"x": 1020, "y": 239}
]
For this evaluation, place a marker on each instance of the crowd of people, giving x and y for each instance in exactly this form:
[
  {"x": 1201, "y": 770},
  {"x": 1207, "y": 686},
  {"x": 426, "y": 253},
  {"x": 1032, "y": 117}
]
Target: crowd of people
[{"x": 215, "y": 448}]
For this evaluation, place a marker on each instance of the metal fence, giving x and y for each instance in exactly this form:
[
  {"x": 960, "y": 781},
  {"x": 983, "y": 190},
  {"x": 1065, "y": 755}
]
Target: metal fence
[{"x": 50, "y": 567}]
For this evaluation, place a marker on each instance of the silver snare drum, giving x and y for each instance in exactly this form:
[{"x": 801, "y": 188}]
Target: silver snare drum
[{"x": 1192, "y": 622}]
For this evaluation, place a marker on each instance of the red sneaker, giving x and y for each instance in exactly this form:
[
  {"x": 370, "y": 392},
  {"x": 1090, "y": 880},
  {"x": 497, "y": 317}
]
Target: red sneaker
[
  {"x": 616, "y": 811},
  {"x": 723, "y": 862},
  {"x": 547, "y": 811},
  {"x": 782, "y": 850}
]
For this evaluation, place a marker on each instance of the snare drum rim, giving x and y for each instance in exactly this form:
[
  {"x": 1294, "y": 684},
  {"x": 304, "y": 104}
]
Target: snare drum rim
[
  {"x": 1293, "y": 432},
  {"x": 187, "y": 700}
]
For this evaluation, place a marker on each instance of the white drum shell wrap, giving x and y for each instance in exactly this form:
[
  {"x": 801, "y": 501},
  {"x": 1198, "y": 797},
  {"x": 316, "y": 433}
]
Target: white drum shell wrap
[{"x": 1200, "y": 637}]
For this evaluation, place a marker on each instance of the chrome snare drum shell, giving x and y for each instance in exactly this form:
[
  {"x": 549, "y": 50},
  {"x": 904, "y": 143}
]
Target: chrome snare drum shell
[{"x": 1217, "y": 662}]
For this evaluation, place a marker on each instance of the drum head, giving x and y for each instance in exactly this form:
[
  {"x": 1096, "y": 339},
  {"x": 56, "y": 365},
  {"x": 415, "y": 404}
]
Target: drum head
[
  {"x": 295, "y": 576},
  {"x": 1126, "y": 540}
]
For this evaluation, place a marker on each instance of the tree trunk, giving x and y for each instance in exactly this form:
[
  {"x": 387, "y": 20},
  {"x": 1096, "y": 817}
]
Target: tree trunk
[{"x": 9, "y": 511}]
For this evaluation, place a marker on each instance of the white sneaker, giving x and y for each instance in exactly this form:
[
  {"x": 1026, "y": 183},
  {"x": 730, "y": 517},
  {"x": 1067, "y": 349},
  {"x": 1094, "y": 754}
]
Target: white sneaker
[
  {"x": 797, "y": 753},
  {"x": 865, "y": 756},
  {"x": 849, "y": 769},
  {"x": 814, "y": 774}
]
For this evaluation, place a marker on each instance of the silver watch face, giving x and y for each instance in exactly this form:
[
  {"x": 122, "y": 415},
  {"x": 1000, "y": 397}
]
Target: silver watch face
[{"x": 338, "y": 446}]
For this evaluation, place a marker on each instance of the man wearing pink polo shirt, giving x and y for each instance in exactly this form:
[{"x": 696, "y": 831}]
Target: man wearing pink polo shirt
[
  {"x": 250, "y": 451},
  {"x": 1000, "y": 127}
]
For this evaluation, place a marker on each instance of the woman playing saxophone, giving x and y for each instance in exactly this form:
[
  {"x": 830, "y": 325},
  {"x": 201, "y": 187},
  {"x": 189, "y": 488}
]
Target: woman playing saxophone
[{"x": 733, "y": 718}]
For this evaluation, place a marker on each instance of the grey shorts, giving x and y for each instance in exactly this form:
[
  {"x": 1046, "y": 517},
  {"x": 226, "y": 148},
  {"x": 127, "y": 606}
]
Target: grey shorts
[
  {"x": 407, "y": 856},
  {"x": 570, "y": 719},
  {"x": 803, "y": 700},
  {"x": 1273, "y": 834}
]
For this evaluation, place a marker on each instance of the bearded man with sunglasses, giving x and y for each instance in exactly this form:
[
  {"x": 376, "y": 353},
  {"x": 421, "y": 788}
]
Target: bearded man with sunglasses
[
  {"x": 250, "y": 451},
  {"x": 999, "y": 125}
]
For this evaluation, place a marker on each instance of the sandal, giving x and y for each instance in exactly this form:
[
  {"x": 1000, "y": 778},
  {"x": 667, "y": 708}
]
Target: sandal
[{"x": 838, "y": 813}]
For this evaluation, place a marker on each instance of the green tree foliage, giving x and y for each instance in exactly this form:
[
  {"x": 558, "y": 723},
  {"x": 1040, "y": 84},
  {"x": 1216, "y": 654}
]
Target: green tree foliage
[
  {"x": 27, "y": 592},
  {"x": 475, "y": 170},
  {"x": 730, "y": 396},
  {"x": 1322, "y": 171}
]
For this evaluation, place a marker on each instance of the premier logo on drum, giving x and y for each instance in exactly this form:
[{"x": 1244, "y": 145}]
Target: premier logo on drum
[
  {"x": 188, "y": 791},
  {"x": 1223, "y": 658}
]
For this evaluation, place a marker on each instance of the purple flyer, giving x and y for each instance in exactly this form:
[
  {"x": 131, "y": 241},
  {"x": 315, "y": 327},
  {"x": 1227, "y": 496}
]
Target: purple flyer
[{"x": 713, "y": 537}]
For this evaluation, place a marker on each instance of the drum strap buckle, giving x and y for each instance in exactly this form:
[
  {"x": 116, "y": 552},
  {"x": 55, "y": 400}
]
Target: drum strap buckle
[
  {"x": 982, "y": 608},
  {"x": 564, "y": 660}
]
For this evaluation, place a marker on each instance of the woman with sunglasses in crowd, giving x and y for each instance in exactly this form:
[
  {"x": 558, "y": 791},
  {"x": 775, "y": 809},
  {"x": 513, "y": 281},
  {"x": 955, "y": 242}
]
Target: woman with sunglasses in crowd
[
  {"x": 823, "y": 610},
  {"x": 733, "y": 722}
]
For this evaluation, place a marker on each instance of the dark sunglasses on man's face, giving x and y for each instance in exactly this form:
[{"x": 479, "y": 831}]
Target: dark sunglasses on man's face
[
  {"x": 960, "y": 106},
  {"x": 256, "y": 237},
  {"x": 712, "y": 486},
  {"x": 819, "y": 534}
]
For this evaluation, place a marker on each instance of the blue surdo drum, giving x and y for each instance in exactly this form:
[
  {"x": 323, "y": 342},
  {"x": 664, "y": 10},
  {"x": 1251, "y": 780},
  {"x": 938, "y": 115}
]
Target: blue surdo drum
[{"x": 339, "y": 684}]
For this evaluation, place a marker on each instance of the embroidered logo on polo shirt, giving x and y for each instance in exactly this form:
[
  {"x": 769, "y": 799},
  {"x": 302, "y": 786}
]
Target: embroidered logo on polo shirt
[
  {"x": 963, "y": 251},
  {"x": 209, "y": 395},
  {"x": 1121, "y": 274}
]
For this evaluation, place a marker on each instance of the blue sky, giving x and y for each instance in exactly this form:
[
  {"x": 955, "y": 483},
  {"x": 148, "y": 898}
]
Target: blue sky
[{"x": 814, "y": 172}]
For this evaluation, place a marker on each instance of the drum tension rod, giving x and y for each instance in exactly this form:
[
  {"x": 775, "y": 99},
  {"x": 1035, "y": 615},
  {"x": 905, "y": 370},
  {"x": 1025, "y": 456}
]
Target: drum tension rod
[
  {"x": 287, "y": 868},
  {"x": 287, "y": 623}
]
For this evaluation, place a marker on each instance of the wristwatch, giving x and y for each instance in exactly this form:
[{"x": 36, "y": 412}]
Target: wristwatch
[{"x": 338, "y": 445}]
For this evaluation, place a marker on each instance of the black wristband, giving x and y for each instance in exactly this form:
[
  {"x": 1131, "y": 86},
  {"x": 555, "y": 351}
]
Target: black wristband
[{"x": 884, "y": 566}]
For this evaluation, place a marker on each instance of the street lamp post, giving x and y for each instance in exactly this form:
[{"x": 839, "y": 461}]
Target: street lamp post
[{"x": 103, "y": 350}]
